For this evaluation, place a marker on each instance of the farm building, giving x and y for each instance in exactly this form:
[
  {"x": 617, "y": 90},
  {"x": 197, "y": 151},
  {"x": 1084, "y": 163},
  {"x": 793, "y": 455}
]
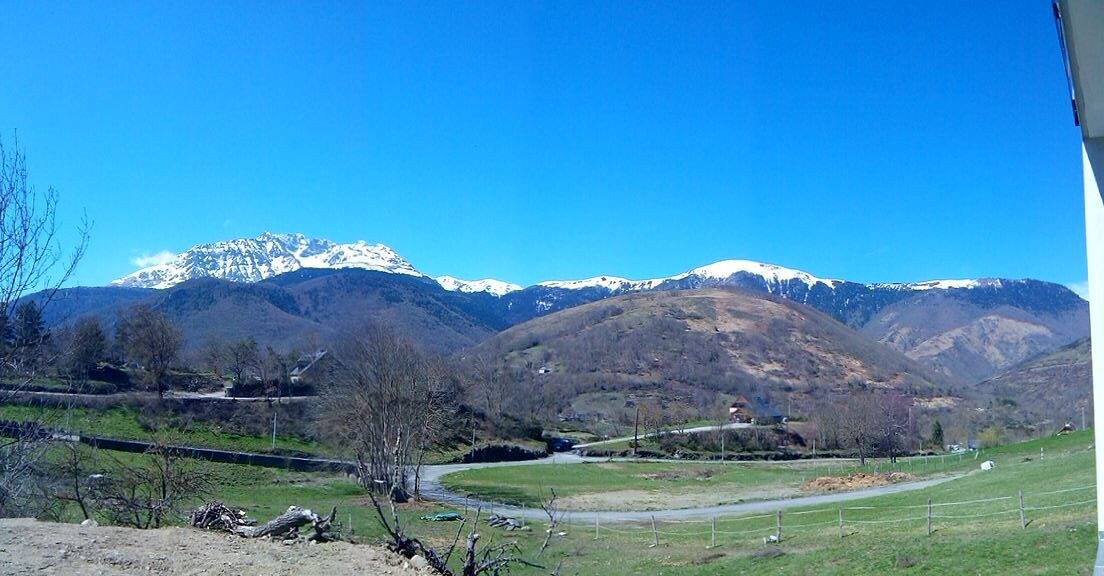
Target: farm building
[{"x": 759, "y": 411}]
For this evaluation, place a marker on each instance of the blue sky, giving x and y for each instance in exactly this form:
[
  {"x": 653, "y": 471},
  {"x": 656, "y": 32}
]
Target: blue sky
[{"x": 531, "y": 141}]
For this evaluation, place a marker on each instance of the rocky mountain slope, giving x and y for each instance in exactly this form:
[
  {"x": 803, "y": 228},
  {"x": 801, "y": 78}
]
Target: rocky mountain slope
[
  {"x": 972, "y": 334},
  {"x": 1054, "y": 386}
]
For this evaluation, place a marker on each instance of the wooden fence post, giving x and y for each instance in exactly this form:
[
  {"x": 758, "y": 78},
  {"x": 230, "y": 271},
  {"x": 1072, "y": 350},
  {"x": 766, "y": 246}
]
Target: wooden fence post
[
  {"x": 713, "y": 539},
  {"x": 929, "y": 516},
  {"x": 596, "y": 526},
  {"x": 1023, "y": 518},
  {"x": 655, "y": 534},
  {"x": 779, "y": 522},
  {"x": 841, "y": 521}
]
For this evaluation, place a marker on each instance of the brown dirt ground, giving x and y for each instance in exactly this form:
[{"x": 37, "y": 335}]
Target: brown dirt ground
[
  {"x": 855, "y": 481},
  {"x": 31, "y": 547}
]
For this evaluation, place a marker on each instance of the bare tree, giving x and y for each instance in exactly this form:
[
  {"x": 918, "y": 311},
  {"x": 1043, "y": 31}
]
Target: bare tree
[
  {"x": 153, "y": 341},
  {"x": 73, "y": 473},
  {"x": 860, "y": 424},
  {"x": 31, "y": 258},
  {"x": 378, "y": 402},
  {"x": 21, "y": 449},
  {"x": 150, "y": 491},
  {"x": 893, "y": 414},
  {"x": 440, "y": 395},
  {"x": 488, "y": 386},
  {"x": 241, "y": 357},
  {"x": 214, "y": 356}
]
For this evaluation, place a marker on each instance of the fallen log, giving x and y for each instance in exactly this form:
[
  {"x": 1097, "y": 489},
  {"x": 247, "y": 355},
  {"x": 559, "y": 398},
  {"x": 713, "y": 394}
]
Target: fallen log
[{"x": 289, "y": 522}]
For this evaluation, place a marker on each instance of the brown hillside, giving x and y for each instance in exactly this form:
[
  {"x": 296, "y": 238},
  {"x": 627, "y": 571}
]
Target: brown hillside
[
  {"x": 696, "y": 346},
  {"x": 972, "y": 339},
  {"x": 1052, "y": 387}
]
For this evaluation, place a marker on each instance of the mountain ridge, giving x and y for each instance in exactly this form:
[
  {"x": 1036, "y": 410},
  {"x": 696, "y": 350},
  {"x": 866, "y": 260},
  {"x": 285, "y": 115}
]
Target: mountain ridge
[
  {"x": 271, "y": 254},
  {"x": 967, "y": 329}
]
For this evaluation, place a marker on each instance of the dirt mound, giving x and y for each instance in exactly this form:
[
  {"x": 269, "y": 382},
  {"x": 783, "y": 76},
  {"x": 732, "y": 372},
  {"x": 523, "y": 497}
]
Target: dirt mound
[
  {"x": 31, "y": 547},
  {"x": 854, "y": 481}
]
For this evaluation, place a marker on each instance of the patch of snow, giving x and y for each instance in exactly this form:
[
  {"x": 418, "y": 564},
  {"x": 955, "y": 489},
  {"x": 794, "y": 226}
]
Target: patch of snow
[
  {"x": 611, "y": 283},
  {"x": 964, "y": 283}
]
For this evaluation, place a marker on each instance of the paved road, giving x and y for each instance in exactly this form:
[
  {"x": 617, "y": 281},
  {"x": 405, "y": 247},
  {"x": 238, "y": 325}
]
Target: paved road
[
  {"x": 695, "y": 430},
  {"x": 431, "y": 488}
]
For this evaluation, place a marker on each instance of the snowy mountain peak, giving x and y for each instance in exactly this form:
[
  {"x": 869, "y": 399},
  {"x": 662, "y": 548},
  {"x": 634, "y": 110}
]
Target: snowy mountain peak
[
  {"x": 770, "y": 272},
  {"x": 488, "y": 285},
  {"x": 718, "y": 271},
  {"x": 267, "y": 255}
]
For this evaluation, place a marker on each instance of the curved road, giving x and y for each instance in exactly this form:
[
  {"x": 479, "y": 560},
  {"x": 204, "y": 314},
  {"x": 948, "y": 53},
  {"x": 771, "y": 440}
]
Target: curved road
[{"x": 432, "y": 488}]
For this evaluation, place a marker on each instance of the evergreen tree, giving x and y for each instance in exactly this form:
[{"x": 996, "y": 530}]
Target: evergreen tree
[
  {"x": 89, "y": 347},
  {"x": 937, "y": 435},
  {"x": 29, "y": 335}
]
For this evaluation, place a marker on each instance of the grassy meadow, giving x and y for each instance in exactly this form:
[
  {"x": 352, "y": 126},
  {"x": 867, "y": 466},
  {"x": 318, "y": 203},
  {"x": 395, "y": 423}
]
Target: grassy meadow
[{"x": 976, "y": 525}]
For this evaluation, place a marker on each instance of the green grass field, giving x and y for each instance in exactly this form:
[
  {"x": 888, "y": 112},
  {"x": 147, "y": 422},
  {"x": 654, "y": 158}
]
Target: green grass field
[
  {"x": 696, "y": 483},
  {"x": 122, "y": 422},
  {"x": 976, "y": 522},
  {"x": 976, "y": 527}
]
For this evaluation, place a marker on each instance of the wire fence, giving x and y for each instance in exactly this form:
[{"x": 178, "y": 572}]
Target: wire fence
[{"x": 844, "y": 520}]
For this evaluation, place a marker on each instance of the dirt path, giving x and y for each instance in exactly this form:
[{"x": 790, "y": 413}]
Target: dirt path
[{"x": 31, "y": 547}]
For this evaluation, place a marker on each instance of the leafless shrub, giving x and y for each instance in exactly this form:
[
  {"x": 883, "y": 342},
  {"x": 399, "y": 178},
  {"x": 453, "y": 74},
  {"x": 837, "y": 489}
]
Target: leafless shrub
[{"x": 147, "y": 492}]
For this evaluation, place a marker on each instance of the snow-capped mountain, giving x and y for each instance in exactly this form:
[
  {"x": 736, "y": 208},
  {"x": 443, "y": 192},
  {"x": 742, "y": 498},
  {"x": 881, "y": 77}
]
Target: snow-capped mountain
[
  {"x": 772, "y": 275},
  {"x": 488, "y": 285},
  {"x": 268, "y": 255},
  {"x": 968, "y": 328},
  {"x": 255, "y": 259}
]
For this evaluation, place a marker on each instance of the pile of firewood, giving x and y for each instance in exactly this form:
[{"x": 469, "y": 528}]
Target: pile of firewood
[{"x": 216, "y": 516}]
